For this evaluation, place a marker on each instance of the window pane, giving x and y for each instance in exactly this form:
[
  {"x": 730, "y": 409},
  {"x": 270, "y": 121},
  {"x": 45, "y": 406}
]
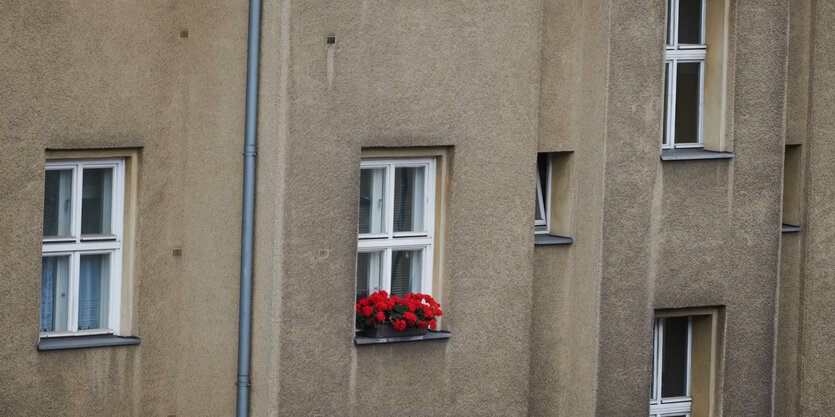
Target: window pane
[
  {"x": 372, "y": 200},
  {"x": 408, "y": 199},
  {"x": 55, "y": 277},
  {"x": 666, "y": 138},
  {"x": 96, "y": 196},
  {"x": 406, "y": 270},
  {"x": 369, "y": 272},
  {"x": 690, "y": 21},
  {"x": 93, "y": 291},
  {"x": 652, "y": 395},
  {"x": 674, "y": 358},
  {"x": 687, "y": 102},
  {"x": 541, "y": 185},
  {"x": 57, "y": 202}
]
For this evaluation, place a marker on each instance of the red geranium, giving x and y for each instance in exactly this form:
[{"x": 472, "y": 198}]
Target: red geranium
[{"x": 401, "y": 312}]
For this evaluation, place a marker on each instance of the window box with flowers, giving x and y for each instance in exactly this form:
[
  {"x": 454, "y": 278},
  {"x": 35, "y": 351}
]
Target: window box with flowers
[{"x": 384, "y": 319}]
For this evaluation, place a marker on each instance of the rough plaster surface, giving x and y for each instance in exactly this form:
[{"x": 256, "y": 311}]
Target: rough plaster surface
[
  {"x": 818, "y": 286},
  {"x": 687, "y": 234},
  {"x": 103, "y": 74},
  {"x": 460, "y": 75},
  {"x": 572, "y": 115},
  {"x": 494, "y": 82}
]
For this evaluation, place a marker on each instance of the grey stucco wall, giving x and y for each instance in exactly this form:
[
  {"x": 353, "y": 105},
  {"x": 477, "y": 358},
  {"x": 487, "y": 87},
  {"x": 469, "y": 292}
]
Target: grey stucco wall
[
  {"x": 688, "y": 234},
  {"x": 102, "y": 74},
  {"x": 564, "y": 318},
  {"x": 817, "y": 291},
  {"x": 459, "y": 75},
  {"x": 546, "y": 331}
]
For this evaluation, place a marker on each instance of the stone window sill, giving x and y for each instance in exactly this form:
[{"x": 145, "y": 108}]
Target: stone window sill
[
  {"x": 789, "y": 228},
  {"x": 543, "y": 239},
  {"x": 431, "y": 335},
  {"x": 76, "y": 342},
  {"x": 693, "y": 154}
]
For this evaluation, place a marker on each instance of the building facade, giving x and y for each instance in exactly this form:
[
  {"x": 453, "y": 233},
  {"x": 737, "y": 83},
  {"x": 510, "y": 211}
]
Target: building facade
[{"x": 400, "y": 147}]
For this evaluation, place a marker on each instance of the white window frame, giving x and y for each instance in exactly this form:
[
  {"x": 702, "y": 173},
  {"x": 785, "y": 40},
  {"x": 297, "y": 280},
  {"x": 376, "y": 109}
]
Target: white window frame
[
  {"x": 543, "y": 196},
  {"x": 674, "y": 54},
  {"x": 389, "y": 241},
  {"x": 77, "y": 244},
  {"x": 667, "y": 406}
]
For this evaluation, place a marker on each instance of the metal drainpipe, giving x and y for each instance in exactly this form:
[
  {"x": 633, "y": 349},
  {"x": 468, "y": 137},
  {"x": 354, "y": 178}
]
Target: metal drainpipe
[{"x": 248, "y": 205}]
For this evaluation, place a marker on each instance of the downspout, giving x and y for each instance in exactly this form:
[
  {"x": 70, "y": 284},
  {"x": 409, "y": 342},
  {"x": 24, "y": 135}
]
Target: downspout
[{"x": 248, "y": 205}]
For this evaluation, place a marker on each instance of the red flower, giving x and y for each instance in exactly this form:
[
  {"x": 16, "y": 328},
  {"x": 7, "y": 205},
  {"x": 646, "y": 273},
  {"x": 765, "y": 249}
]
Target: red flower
[
  {"x": 410, "y": 317},
  {"x": 418, "y": 310}
]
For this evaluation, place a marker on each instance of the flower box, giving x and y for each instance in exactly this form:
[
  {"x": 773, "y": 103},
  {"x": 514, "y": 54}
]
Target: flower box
[
  {"x": 381, "y": 316},
  {"x": 388, "y": 330}
]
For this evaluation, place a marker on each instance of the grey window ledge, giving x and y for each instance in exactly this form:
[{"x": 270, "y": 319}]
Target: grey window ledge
[
  {"x": 789, "y": 228},
  {"x": 76, "y": 342},
  {"x": 693, "y": 154},
  {"x": 430, "y": 335},
  {"x": 546, "y": 239}
]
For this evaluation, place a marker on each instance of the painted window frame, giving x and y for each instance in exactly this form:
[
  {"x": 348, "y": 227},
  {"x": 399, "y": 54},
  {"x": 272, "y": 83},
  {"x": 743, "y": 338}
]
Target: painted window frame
[
  {"x": 543, "y": 195},
  {"x": 669, "y": 406},
  {"x": 677, "y": 53},
  {"x": 77, "y": 244},
  {"x": 389, "y": 241}
]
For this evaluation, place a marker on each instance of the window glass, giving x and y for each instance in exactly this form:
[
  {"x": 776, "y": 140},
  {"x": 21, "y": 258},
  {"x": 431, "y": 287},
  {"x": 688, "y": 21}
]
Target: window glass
[
  {"x": 369, "y": 272},
  {"x": 55, "y": 277},
  {"x": 57, "y": 202},
  {"x": 687, "y": 102},
  {"x": 93, "y": 291},
  {"x": 541, "y": 185},
  {"x": 409, "y": 198},
  {"x": 96, "y": 196},
  {"x": 667, "y": 99},
  {"x": 406, "y": 270},
  {"x": 674, "y": 357},
  {"x": 690, "y": 21},
  {"x": 372, "y": 200}
]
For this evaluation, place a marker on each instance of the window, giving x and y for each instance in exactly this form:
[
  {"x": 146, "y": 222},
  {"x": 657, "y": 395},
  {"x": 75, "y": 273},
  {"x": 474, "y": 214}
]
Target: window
[
  {"x": 396, "y": 226},
  {"x": 552, "y": 221},
  {"x": 81, "y": 275},
  {"x": 685, "y": 55},
  {"x": 671, "y": 367},
  {"x": 686, "y": 362},
  {"x": 543, "y": 192}
]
